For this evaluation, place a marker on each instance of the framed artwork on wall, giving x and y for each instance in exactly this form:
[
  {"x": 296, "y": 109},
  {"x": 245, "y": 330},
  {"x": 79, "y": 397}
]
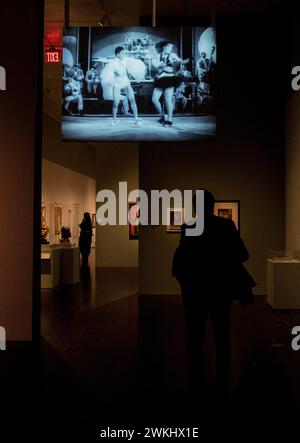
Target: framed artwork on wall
[
  {"x": 76, "y": 221},
  {"x": 94, "y": 221},
  {"x": 229, "y": 209},
  {"x": 134, "y": 227},
  {"x": 69, "y": 216},
  {"x": 175, "y": 219},
  {"x": 57, "y": 219},
  {"x": 43, "y": 215}
]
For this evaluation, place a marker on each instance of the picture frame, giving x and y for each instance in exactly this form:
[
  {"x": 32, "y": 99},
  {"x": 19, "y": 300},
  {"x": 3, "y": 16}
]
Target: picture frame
[
  {"x": 229, "y": 209},
  {"x": 57, "y": 220},
  {"x": 175, "y": 220},
  {"x": 134, "y": 228},
  {"x": 43, "y": 215},
  {"x": 94, "y": 221}
]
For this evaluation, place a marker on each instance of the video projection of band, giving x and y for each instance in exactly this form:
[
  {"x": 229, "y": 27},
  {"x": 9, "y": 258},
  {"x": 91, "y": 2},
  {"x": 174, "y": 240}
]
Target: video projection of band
[{"x": 139, "y": 83}]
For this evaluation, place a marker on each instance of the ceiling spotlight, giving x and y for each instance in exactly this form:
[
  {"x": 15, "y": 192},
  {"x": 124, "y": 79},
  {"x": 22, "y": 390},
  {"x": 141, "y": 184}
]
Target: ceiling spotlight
[
  {"x": 102, "y": 21},
  {"x": 105, "y": 18}
]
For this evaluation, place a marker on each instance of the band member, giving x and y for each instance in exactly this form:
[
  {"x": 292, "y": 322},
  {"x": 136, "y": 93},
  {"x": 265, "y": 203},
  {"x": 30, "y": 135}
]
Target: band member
[
  {"x": 201, "y": 97},
  {"x": 96, "y": 83},
  {"x": 91, "y": 75},
  {"x": 166, "y": 80},
  {"x": 205, "y": 66},
  {"x": 184, "y": 72},
  {"x": 128, "y": 43},
  {"x": 73, "y": 91},
  {"x": 67, "y": 71},
  {"x": 202, "y": 67},
  {"x": 115, "y": 74},
  {"x": 78, "y": 73},
  {"x": 180, "y": 97},
  {"x": 145, "y": 41}
]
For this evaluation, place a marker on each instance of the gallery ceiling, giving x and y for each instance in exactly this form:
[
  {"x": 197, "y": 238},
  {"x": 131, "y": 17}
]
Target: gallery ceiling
[{"x": 87, "y": 12}]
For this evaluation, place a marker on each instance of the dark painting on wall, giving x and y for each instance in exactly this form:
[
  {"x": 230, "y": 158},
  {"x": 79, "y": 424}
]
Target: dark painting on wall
[
  {"x": 225, "y": 213},
  {"x": 229, "y": 209},
  {"x": 175, "y": 219},
  {"x": 134, "y": 224},
  {"x": 139, "y": 83}
]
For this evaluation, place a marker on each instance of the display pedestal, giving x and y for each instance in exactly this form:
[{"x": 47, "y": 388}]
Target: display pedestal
[
  {"x": 60, "y": 265},
  {"x": 283, "y": 283}
]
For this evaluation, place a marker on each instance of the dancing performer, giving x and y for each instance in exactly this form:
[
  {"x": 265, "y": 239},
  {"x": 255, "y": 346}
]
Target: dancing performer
[
  {"x": 115, "y": 74},
  {"x": 166, "y": 81}
]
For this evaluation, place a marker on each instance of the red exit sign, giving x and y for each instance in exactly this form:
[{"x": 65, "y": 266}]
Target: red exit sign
[{"x": 52, "y": 57}]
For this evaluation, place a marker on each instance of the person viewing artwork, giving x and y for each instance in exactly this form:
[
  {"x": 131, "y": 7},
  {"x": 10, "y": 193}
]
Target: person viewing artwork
[
  {"x": 115, "y": 74},
  {"x": 85, "y": 238},
  {"x": 210, "y": 271},
  {"x": 166, "y": 80}
]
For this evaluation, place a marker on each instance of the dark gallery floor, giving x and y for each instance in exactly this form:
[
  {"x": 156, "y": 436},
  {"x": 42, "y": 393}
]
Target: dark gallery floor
[
  {"x": 90, "y": 128},
  {"x": 109, "y": 356}
]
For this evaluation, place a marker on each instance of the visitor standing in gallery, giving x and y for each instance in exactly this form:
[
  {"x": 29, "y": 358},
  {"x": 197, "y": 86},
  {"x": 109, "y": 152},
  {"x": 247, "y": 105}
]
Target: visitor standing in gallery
[
  {"x": 85, "y": 238},
  {"x": 210, "y": 272}
]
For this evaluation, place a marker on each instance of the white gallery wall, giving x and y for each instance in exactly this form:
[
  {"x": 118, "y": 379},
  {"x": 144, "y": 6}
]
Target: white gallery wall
[
  {"x": 293, "y": 174},
  {"x": 80, "y": 157},
  {"x": 116, "y": 162},
  {"x": 75, "y": 193}
]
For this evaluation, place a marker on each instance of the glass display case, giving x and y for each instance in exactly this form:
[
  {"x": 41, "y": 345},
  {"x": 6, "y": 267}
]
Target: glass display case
[
  {"x": 284, "y": 255},
  {"x": 283, "y": 279}
]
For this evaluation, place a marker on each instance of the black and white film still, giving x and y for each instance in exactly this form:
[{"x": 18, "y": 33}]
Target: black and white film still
[{"x": 139, "y": 84}]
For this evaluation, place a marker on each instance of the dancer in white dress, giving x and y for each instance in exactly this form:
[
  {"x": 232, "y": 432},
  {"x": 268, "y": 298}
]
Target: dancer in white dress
[{"x": 115, "y": 74}]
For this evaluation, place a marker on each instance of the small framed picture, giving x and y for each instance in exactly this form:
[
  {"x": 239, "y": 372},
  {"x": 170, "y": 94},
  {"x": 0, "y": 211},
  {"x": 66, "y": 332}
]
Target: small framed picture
[
  {"x": 57, "y": 220},
  {"x": 134, "y": 226},
  {"x": 43, "y": 215},
  {"x": 94, "y": 221},
  {"x": 175, "y": 219},
  {"x": 229, "y": 209}
]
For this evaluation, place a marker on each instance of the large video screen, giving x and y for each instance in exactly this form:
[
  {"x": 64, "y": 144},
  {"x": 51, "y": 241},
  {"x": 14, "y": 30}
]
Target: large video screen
[{"x": 139, "y": 84}]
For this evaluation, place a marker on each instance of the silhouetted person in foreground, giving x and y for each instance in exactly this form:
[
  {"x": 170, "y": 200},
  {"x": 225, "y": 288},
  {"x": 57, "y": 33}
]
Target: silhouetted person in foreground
[
  {"x": 209, "y": 270},
  {"x": 85, "y": 238}
]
